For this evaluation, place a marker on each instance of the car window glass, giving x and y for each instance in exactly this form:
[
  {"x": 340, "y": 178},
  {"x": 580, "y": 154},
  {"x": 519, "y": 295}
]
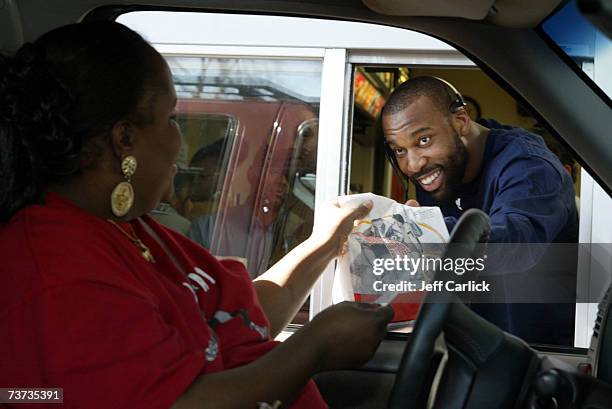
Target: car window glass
[
  {"x": 581, "y": 41},
  {"x": 249, "y": 155}
]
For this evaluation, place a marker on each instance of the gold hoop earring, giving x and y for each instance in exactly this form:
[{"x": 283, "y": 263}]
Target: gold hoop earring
[{"x": 122, "y": 197}]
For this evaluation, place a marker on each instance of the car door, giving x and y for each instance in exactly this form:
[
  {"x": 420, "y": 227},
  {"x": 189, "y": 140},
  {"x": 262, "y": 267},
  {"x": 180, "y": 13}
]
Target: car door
[{"x": 518, "y": 59}]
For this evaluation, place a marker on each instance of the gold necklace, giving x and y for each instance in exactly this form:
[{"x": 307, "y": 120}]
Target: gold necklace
[{"x": 144, "y": 250}]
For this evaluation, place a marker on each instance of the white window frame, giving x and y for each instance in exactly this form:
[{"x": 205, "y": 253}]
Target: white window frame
[
  {"x": 213, "y": 51},
  {"x": 331, "y": 159}
]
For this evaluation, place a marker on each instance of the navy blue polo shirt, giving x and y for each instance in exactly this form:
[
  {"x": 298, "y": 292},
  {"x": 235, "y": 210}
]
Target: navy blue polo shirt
[
  {"x": 529, "y": 198},
  {"x": 522, "y": 186}
]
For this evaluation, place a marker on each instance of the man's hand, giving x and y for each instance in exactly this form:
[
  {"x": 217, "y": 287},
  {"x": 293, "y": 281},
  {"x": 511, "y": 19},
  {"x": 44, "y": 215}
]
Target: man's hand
[{"x": 349, "y": 333}]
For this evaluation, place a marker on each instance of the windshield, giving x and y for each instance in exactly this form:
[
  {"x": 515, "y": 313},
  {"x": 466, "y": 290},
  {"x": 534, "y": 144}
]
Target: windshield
[{"x": 588, "y": 48}]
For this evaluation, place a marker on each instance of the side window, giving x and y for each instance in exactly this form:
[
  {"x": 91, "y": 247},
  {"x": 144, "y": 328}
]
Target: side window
[{"x": 246, "y": 172}]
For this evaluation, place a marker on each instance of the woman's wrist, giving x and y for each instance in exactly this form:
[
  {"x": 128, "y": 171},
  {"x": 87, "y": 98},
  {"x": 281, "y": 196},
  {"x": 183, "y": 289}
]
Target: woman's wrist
[
  {"x": 325, "y": 249},
  {"x": 310, "y": 341}
]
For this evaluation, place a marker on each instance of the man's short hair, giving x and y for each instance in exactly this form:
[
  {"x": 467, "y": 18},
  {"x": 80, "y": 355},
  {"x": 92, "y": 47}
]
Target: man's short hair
[{"x": 408, "y": 92}]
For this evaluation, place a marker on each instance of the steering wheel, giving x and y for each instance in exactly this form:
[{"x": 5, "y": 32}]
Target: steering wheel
[
  {"x": 486, "y": 367},
  {"x": 412, "y": 382}
]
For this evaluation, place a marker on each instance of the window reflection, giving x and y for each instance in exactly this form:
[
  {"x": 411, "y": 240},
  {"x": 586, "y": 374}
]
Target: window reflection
[{"x": 246, "y": 173}]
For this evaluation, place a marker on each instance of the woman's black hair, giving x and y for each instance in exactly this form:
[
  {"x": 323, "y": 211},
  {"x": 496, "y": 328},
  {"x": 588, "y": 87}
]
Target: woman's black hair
[{"x": 64, "y": 90}]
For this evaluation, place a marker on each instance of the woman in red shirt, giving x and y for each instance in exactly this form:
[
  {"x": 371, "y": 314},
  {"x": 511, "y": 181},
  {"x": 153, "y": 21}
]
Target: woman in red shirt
[{"x": 100, "y": 300}]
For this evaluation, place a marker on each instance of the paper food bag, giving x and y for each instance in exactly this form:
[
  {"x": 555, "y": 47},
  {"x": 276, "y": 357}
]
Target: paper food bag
[{"x": 390, "y": 230}]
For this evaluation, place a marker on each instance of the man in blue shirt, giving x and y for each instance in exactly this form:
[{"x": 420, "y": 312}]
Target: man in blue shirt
[{"x": 507, "y": 172}]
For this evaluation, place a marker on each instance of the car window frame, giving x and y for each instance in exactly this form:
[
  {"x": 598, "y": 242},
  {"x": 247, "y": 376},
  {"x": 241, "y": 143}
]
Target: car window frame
[{"x": 490, "y": 71}]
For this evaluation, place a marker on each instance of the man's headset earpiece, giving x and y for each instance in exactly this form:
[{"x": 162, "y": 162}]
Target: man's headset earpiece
[
  {"x": 455, "y": 106},
  {"x": 458, "y": 103}
]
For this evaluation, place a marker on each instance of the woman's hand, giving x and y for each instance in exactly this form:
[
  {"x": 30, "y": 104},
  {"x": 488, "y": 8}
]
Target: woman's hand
[
  {"x": 341, "y": 337},
  {"x": 283, "y": 289},
  {"x": 338, "y": 222},
  {"x": 348, "y": 333}
]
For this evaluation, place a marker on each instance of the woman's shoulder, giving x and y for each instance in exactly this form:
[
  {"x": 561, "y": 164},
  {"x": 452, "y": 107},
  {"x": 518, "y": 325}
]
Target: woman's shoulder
[
  {"x": 47, "y": 226},
  {"x": 43, "y": 243},
  {"x": 45, "y": 248}
]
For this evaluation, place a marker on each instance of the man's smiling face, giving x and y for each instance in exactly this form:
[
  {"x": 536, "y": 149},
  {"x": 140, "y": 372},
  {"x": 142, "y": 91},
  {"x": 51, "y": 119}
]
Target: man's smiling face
[{"x": 427, "y": 148}]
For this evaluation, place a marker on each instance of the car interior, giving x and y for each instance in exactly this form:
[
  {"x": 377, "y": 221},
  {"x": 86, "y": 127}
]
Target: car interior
[{"x": 449, "y": 357}]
